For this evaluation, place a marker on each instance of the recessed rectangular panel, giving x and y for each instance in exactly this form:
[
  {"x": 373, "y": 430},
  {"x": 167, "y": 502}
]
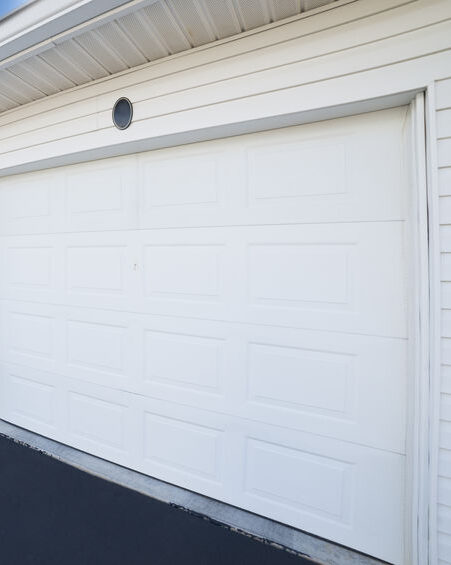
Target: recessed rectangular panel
[
  {"x": 28, "y": 199},
  {"x": 299, "y": 479},
  {"x": 180, "y": 181},
  {"x": 337, "y": 276},
  {"x": 30, "y": 267},
  {"x": 96, "y": 346},
  {"x": 94, "y": 190},
  {"x": 183, "y": 360},
  {"x": 183, "y": 271},
  {"x": 294, "y": 273},
  {"x": 296, "y": 170},
  {"x": 95, "y": 269},
  {"x": 307, "y": 380},
  {"x": 328, "y": 384},
  {"x": 31, "y": 335},
  {"x": 182, "y": 445},
  {"x": 97, "y": 420},
  {"x": 31, "y": 399}
]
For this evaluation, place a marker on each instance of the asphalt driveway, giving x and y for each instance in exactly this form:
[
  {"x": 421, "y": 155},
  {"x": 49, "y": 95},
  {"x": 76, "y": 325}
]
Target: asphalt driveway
[{"x": 54, "y": 514}]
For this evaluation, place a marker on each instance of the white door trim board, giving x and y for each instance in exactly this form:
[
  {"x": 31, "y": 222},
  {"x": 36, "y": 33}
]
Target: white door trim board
[
  {"x": 433, "y": 440},
  {"x": 215, "y": 132},
  {"x": 418, "y": 423}
]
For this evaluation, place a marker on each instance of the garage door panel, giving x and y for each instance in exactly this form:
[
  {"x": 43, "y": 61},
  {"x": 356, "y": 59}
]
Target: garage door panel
[
  {"x": 101, "y": 195},
  {"x": 31, "y": 338},
  {"x": 101, "y": 420},
  {"x": 188, "y": 274},
  {"x": 192, "y": 362},
  {"x": 95, "y": 269},
  {"x": 33, "y": 398},
  {"x": 182, "y": 449},
  {"x": 187, "y": 446},
  {"x": 324, "y": 483},
  {"x": 236, "y": 181},
  {"x": 344, "y": 386},
  {"x": 330, "y": 173},
  {"x": 318, "y": 276},
  {"x": 229, "y": 316},
  {"x": 305, "y": 480},
  {"x": 184, "y": 361},
  {"x": 192, "y": 187},
  {"x": 322, "y": 277},
  {"x": 94, "y": 196},
  {"x": 96, "y": 419},
  {"x": 30, "y": 267},
  {"x": 324, "y": 172},
  {"x": 304, "y": 163},
  {"x": 184, "y": 272},
  {"x": 347, "y": 387},
  {"x": 98, "y": 348},
  {"x": 276, "y": 471},
  {"x": 31, "y": 203},
  {"x": 74, "y": 268}
]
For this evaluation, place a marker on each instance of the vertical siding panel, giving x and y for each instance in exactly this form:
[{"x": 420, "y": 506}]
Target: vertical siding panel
[
  {"x": 444, "y": 181},
  {"x": 446, "y": 380},
  {"x": 444, "y": 549},
  {"x": 443, "y": 94},
  {"x": 444, "y": 123},
  {"x": 445, "y": 491},
  {"x": 443, "y": 118}
]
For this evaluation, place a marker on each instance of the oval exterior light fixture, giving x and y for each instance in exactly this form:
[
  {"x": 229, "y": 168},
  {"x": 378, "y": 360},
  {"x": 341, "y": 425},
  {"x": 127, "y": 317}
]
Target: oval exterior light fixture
[{"x": 122, "y": 113}]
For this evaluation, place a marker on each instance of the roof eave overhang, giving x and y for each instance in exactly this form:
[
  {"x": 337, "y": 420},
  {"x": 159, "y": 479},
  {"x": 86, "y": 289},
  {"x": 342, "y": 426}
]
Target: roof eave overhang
[
  {"x": 41, "y": 32},
  {"x": 88, "y": 40}
]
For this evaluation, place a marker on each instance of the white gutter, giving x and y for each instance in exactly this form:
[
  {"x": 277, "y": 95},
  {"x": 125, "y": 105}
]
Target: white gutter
[{"x": 14, "y": 8}]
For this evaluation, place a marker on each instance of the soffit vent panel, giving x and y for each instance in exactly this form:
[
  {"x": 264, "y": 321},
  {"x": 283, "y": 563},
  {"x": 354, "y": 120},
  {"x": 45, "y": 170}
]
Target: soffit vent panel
[{"x": 153, "y": 31}]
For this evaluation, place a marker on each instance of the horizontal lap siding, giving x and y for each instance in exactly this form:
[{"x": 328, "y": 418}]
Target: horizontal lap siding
[
  {"x": 171, "y": 96},
  {"x": 233, "y": 55},
  {"x": 192, "y": 83},
  {"x": 443, "y": 126},
  {"x": 359, "y": 50}
]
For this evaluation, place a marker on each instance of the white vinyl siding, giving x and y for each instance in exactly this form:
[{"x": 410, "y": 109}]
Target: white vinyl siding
[
  {"x": 443, "y": 120},
  {"x": 214, "y": 86}
]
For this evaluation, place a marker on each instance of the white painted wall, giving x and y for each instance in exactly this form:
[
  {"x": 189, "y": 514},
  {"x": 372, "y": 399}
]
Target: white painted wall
[{"x": 360, "y": 50}]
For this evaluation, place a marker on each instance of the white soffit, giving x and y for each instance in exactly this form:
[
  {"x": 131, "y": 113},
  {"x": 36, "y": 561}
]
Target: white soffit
[{"x": 125, "y": 38}]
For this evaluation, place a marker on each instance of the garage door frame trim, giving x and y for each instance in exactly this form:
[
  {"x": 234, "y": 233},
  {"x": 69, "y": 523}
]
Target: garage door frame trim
[{"x": 418, "y": 461}]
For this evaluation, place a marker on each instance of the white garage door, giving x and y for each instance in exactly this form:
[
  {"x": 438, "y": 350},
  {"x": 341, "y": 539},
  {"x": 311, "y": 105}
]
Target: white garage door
[{"x": 228, "y": 316}]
